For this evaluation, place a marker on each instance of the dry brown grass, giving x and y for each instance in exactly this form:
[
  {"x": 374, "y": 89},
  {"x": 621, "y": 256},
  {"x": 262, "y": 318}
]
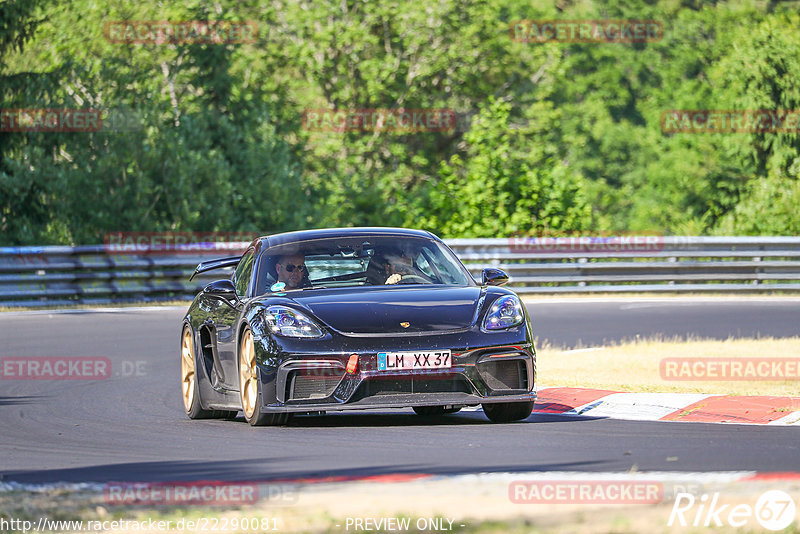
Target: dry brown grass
[{"x": 634, "y": 366}]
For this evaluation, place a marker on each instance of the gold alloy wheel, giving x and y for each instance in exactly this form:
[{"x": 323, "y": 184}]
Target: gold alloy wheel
[
  {"x": 248, "y": 377},
  {"x": 187, "y": 369}
]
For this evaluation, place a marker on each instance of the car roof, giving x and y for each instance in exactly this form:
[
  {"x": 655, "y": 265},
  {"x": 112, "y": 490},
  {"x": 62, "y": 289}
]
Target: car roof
[{"x": 306, "y": 235}]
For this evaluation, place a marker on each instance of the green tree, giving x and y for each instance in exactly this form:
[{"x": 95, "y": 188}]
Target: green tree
[
  {"x": 504, "y": 184},
  {"x": 200, "y": 149},
  {"x": 760, "y": 73},
  {"x": 25, "y": 188}
]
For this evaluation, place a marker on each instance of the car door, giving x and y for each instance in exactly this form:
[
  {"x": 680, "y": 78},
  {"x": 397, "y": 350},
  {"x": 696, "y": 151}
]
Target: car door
[{"x": 227, "y": 319}]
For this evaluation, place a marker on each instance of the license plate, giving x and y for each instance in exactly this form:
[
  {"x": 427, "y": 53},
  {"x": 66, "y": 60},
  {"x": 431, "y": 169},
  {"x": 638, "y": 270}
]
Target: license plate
[{"x": 403, "y": 361}]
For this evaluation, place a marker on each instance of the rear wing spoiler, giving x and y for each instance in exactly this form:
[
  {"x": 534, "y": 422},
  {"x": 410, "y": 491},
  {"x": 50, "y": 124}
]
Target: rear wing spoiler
[{"x": 210, "y": 265}]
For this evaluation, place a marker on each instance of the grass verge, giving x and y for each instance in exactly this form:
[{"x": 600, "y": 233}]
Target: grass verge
[
  {"x": 457, "y": 505},
  {"x": 636, "y": 366}
]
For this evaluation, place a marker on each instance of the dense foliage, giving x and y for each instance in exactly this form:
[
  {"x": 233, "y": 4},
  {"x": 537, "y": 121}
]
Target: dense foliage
[{"x": 550, "y": 137}]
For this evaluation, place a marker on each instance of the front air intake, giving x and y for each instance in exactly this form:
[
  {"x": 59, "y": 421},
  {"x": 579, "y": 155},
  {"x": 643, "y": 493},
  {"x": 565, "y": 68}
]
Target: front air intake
[
  {"x": 502, "y": 375},
  {"x": 304, "y": 385}
]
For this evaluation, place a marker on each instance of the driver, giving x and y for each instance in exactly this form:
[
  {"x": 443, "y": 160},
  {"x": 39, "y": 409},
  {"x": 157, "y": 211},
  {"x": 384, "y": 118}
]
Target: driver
[
  {"x": 292, "y": 270},
  {"x": 398, "y": 265}
]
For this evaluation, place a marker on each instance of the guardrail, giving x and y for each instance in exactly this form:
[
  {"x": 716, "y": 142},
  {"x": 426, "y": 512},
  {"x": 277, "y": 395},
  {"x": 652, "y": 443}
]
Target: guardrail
[
  {"x": 55, "y": 276},
  {"x": 98, "y": 274},
  {"x": 639, "y": 263}
]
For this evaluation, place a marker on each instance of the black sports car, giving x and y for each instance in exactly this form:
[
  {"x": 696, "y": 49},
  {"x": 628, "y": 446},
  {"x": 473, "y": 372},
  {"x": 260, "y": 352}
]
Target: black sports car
[{"x": 354, "y": 318}]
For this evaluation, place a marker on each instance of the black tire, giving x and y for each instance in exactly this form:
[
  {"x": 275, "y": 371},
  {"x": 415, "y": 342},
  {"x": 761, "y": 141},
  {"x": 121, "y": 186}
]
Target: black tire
[
  {"x": 252, "y": 410},
  {"x": 267, "y": 419},
  {"x": 433, "y": 411},
  {"x": 190, "y": 389},
  {"x": 506, "y": 412}
]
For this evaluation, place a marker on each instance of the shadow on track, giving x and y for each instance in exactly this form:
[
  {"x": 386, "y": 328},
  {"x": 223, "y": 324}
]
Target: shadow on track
[
  {"x": 394, "y": 419},
  {"x": 261, "y": 470}
]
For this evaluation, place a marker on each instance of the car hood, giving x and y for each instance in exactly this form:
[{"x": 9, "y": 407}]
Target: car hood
[{"x": 372, "y": 310}]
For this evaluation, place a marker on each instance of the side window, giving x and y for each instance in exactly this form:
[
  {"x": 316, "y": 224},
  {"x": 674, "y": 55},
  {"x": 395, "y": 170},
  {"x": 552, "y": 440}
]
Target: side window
[
  {"x": 424, "y": 266},
  {"x": 241, "y": 278},
  {"x": 439, "y": 271}
]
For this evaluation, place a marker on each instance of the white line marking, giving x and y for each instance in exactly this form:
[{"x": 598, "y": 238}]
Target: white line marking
[
  {"x": 640, "y": 406},
  {"x": 791, "y": 419}
]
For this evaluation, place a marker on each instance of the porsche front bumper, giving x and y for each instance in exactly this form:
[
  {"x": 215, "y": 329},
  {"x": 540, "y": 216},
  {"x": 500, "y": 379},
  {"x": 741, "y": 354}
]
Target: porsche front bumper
[{"x": 303, "y": 382}]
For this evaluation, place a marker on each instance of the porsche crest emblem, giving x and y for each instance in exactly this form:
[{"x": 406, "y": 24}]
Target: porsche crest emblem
[{"x": 405, "y": 324}]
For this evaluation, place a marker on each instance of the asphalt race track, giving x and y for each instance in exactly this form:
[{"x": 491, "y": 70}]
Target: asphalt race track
[{"x": 131, "y": 426}]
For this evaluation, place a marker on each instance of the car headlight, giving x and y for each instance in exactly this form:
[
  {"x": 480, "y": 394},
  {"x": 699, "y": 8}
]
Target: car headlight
[
  {"x": 289, "y": 322},
  {"x": 504, "y": 313}
]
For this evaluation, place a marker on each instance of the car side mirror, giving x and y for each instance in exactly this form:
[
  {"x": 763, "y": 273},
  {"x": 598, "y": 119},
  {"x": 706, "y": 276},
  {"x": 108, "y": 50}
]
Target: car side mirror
[
  {"x": 494, "y": 277},
  {"x": 222, "y": 288}
]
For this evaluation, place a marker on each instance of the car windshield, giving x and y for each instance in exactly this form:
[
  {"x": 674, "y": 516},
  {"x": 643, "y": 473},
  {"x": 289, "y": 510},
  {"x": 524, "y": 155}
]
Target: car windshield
[{"x": 371, "y": 261}]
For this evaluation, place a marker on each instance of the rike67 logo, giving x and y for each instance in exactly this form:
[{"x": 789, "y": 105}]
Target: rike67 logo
[{"x": 774, "y": 510}]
